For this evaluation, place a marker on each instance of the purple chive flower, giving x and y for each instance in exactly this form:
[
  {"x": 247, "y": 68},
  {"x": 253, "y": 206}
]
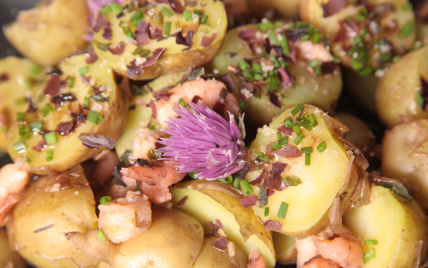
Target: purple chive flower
[{"x": 204, "y": 141}]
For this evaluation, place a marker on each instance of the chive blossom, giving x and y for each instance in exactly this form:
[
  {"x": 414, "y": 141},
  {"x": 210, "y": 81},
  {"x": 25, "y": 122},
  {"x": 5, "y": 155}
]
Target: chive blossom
[
  {"x": 49, "y": 155},
  {"x": 282, "y": 212},
  {"x": 246, "y": 187},
  {"x": 105, "y": 199}
]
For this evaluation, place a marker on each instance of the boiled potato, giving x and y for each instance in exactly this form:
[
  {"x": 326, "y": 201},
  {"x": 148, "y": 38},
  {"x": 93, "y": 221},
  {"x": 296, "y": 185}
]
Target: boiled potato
[
  {"x": 20, "y": 80},
  {"x": 211, "y": 201},
  {"x": 288, "y": 9},
  {"x": 174, "y": 240},
  {"x": 402, "y": 91},
  {"x": 49, "y": 32},
  {"x": 262, "y": 102},
  {"x": 86, "y": 100},
  {"x": 143, "y": 59},
  {"x": 360, "y": 47},
  {"x": 396, "y": 223},
  {"x": 8, "y": 257},
  {"x": 421, "y": 13},
  {"x": 211, "y": 257},
  {"x": 49, "y": 208},
  {"x": 285, "y": 248},
  {"x": 404, "y": 152},
  {"x": 333, "y": 168}
]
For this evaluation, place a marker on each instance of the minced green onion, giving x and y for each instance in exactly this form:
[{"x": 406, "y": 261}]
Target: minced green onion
[
  {"x": 242, "y": 106},
  {"x": 20, "y": 116},
  {"x": 187, "y": 15},
  {"x": 370, "y": 242},
  {"x": 279, "y": 136},
  {"x": 307, "y": 159},
  {"x": 226, "y": 180},
  {"x": 417, "y": 45},
  {"x": 95, "y": 117},
  {"x": 276, "y": 145},
  {"x": 316, "y": 38},
  {"x": 152, "y": 127},
  {"x": 396, "y": 58},
  {"x": 138, "y": 189},
  {"x": 357, "y": 65},
  {"x": 318, "y": 70},
  {"x": 101, "y": 235},
  {"x": 27, "y": 83},
  {"x": 407, "y": 7},
  {"x": 312, "y": 120},
  {"x": 51, "y": 138},
  {"x": 83, "y": 70},
  {"x": 115, "y": 7},
  {"x": 298, "y": 139},
  {"x": 28, "y": 160},
  {"x": 314, "y": 63},
  {"x": 285, "y": 141},
  {"x": 86, "y": 102},
  {"x": 266, "y": 211},
  {"x": 297, "y": 109},
  {"x": 257, "y": 67},
  {"x": 20, "y": 101},
  {"x": 362, "y": 14},
  {"x": 204, "y": 19},
  {"x": 127, "y": 31},
  {"x": 406, "y": 30},
  {"x": 247, "y": 75},
  {"x": 307, "y": 150},
  {"x": 284, "y": 45},
  {"x": 304, "y": 122},
  {"x": 288, "y": 123},
  {"x": 274, "y": 39},
  {"x": 419, "y": 99},
  {"x": 296, "y": 130},
  {"x": 366, "y": 71},
  {"x": 49, "y": 155},
  {"x": 166, "y": 12},
  {"x": 46, "y": 109},
  {"x": 264, "y": 158},
  {"x": 20, "y": 147},
  {"x": 197, "y": 12},
  {"x": 265, "y": 26},
  {"x": 167, "y": 30},
  {"x": 24, "y": 133},
  {"x": 246, "y": 187},
  {"x": 282, "y": 212},
  {"x": 37, "y": 126},
  {"x": 322, "y": 146},
  {"x": 275, "y": 62},
  {"x": 258, "y": 77},
  {"x": 105, "y": 200},
  {"x": 138, "y": 16},
  {"x": 182, "y": 103},
  {"x": 71, "y": 82},
  {"x": 369, "y": 255},
  {"x": 105, "y": 10},
  {"x": 243, "y": 64},
  {"x": 35, "y": 69},
  {"x": 236, "y": 183}
]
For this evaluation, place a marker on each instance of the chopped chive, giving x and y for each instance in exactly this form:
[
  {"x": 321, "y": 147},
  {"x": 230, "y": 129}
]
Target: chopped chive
[
  {"x": 101, "y": 235},
  {"x": 307, "y": 150},
  {"x": 242, "y": 106},
  {"x": 71, "y": 82},
  {"x": 318, "y": 70},
  {"x": 20, "y": 116},
  {"x": 407, "y": 7},
  {"x": 265, "y": 26},
  {"x": 28, "y": 160},
  {"x": 282, "y": 212},
  {"x": 105, "y": 200},
  {"x": 27, "y": 83},
  {"x": 288, "y": 123},
  {"x": 182, "y": 103},
  {"x": 296, "y": 130},
  {"x": 264, "y": 158},
  {"x": 46, "y": 109},
  {"x": 298, "y": 139},
  {"x": 279, "y": 136},
  {"x": 187, "y": 15},
  {"x": 20, "y": 101},
  {"x": 138, "y": 189},
  {"x": 406, "y": 30},
  {"x": 115, "y": 7},
  {"x": 274, "y": 39},
  {"x": 35, "y": 69},
  {"x": 236, "y": 183},
  {"x": 49, "y": 155},
  {"x": 312, "y": 120},
  {"x": 276, "y": 145},
  {"x": 246, "y": 187},
  {"x": 316, "y": 38},
  {"x": 20, "y": 147},
  {"x": 193, "y": 175},
  {"x": 314, "y": 63},
  {"x": 226, "y": 180},
  {"x": 369, "y": 255},
  {"x": 37, "y": 126},
  {"x": 166, "y": 12},
  {"x": 167, "y": 30},
  {"x": 370, "y": 242},
  {"x": 258, "y": 77},
  {"x": 297, "y": 109},
  {"x": 198, "y": 12},
  {"x": 127, "y": 31},
  {"x": 362, "y": 14},
  {"x": 204, "y": 19},
  {"x": 83, "y": 70},
  {"x": 419, "y": 99},
  {"x": 152, "y": 127},
  {"x": 366, "y": 71},
  {"x": 243, "y": 64},
  {"x": 396, "y": 58},
  {"x": 302, "y": 121},
  {"x": 357, "y": 65},
  {"x": 285, "y": 141},
  {"x": 94, "y": 117},
  {"x": 24, "y": 133},
  {"x": 322, "y": 146},
  {"x": 105, "y": 10},
  {"x": 307, "y": 159},
  {"x": 51, "y": 138},
  {"x": 284, "y": 45},
  {"x": 418, "y": 44},
  {"x": 266, "y": 211},
  {"x": 138, "y": 16},
  {"x": 257, "y": 67},
  {"x": 3, "y": 128},
  {"x": 86, "y": 102},
  {"x": 247, "y": 75}
]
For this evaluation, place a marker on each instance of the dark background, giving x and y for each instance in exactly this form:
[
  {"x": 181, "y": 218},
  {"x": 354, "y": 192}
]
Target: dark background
[{"x": 9, "y": 10}]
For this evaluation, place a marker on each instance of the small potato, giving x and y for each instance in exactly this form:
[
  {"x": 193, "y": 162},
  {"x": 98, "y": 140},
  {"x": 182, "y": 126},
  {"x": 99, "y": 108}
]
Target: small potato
[
  {"x": 421, "y": 12},
  {"x": 174, "y": 240},
  {"x": 402, "y": 91},
  {"x": 288, "y": 9},
  {"x": 8, "y": 257},
  {"x": 49, "y": 208},
  {"x": 211, "y": 201},
  {"x": 83, "y": 98},
  {"x": 51, "y": 31},
  {"x": 285, "y": 248},
  {"x": 404, "y": 156},
  {"x": 309, "y": 164},
  {"x": 151, "y": 50},
  {"x": 398, "y": 225}
]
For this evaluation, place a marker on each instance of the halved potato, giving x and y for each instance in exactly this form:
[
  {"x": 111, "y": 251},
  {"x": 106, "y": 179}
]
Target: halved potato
[
  {"x": 404, "y": 156},
  {"x": 329, "y": 183},
  {"x": 421, "y": 12},
  {"x": 49, "y": 208},
  {"x": 8, "y": 257},
  {"x": 288, "y": 9},
  {"x": 20, "y": 80},
  {"x": 285, "y": 248},
  {"x": 262, "y": 102},
  {"x": 211, "y": 201},
  {"x": 51, "y": 31},
  {"x": 140, "y": 57},
  {"x": 80, "y": 85},
  {"x": 403, "y": 89},
  {"x": 399, "y": 225}
]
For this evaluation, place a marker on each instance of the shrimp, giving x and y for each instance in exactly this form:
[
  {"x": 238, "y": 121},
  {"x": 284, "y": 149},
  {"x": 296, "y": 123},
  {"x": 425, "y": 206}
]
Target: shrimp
[
  {"x": 117, "y": 190},
  {"x": 144, "y": 142},
  {"x": 310, "y": 51},
  {"x": 154, "y": 180},
  {"x": 320, "y": 262},
  {"x": 12, "y": 182},
  {"x": 306, "y": 250},
  {"x": 209, "y": 91},
  {"x": 125, "y": 218},
  {"x": 255, "y": 259}
]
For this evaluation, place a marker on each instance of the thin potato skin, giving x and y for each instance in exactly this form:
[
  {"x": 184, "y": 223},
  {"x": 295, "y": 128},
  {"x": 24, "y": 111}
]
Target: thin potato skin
[
  {"x": 288, "y": 9},
  {"x": 7, "y": 255},
  {"x": 285, "y": 248},
  {"x": 50, "y": 32}
]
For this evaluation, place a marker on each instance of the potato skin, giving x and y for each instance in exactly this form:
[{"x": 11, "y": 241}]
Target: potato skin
[
  {"x": 51, "y": 31},
  {"x": 43, "y": 216},
  {"x": 288, "y": 9},
  {"x": 285, "y": 248},
  {"x": 397, "y": 91},
  {"x": 404, "y": 156},
  {"x": 7, "y": 255}
]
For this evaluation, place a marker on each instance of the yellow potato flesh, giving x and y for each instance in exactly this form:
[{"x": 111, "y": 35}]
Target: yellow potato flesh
[
  {"x": 69, "y": 150},
  {"x": 174, "y": 59},
  {"x": 62, "y": 211},
  {"x": 322, "y": 180},
  {"x": 207, "y": 205},
  {"x": 285, "y": 248},
  {"x": 7, "y": 255},
  {"x": 397, "y": 224}
]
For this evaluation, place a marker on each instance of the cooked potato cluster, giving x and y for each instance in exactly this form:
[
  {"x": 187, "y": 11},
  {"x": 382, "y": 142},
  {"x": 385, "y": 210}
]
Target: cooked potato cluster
[{"x": 224, "y": 134}]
